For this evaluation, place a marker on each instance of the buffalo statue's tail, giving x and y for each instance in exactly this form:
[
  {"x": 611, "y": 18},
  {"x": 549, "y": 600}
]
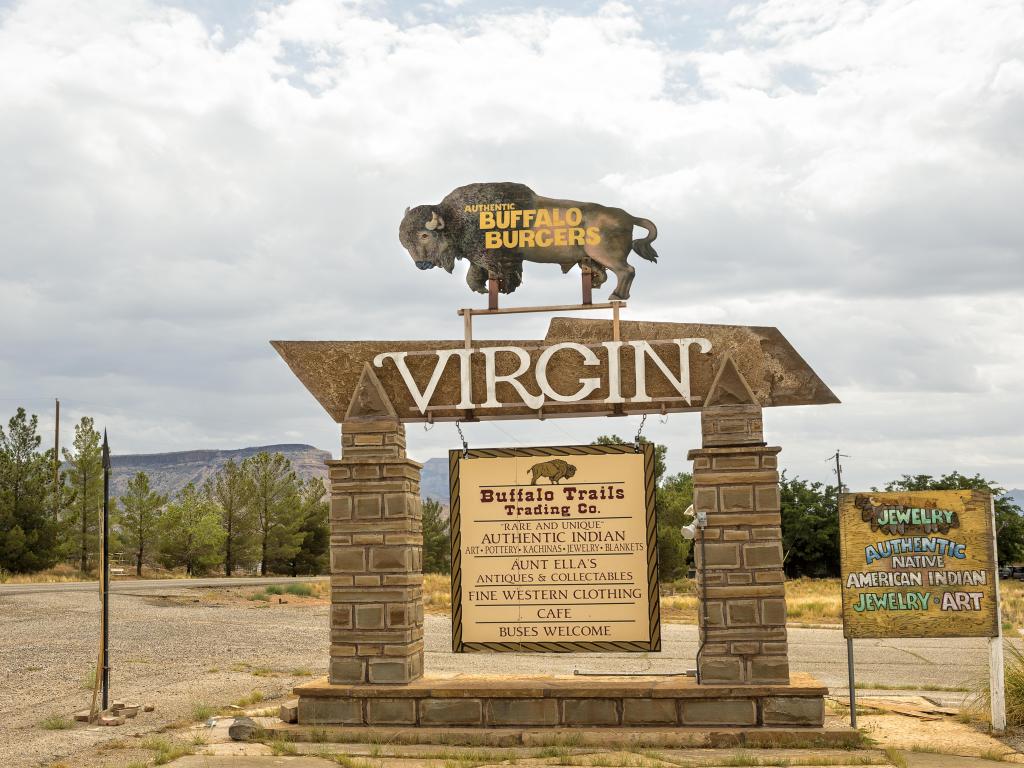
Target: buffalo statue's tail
[{"x": 642, "y": 245}]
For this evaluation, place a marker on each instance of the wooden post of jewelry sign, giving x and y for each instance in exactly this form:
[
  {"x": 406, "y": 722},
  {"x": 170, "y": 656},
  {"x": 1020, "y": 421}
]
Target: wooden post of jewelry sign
[{"x": 923, "y": 564}]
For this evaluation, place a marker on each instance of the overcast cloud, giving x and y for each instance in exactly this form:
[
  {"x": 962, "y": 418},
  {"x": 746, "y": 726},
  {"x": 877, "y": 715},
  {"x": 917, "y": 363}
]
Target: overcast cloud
[{"x": 181, "y": 182}]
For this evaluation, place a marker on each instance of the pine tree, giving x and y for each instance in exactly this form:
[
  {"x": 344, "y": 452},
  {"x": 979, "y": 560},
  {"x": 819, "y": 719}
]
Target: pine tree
[
  {"x": 437, "y": 547},
  {"x": 314, "y": 529},
  {"x": 28, "y": 531},
  {"x": 85, "y": 477},
  {"x": 190, "y": 532},
  {"x": 139, "y": 512},
  {"x": 271, "y": 493},
  {"x": 227, "y": 489}
]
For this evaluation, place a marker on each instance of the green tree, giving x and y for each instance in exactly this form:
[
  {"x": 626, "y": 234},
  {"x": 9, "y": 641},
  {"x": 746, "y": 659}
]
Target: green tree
[
  {"x": 660, "y": 452},
  {"x": 227, "y": 489},
  {"x": 137, "y": 516},
  {"x": 85, "y": 478},
  {"x": 1009, "y": 522},
  {"x": 437, "y": 547},
  {"x": 810, "y": 528},
  {"x": 271, "y": 493},
  {"x": 671, "y": 500},
  {"x": 28, "y": 530},
  {"x": 312, "y": 554},
  {"x": 190, "y": 532},
  {"x": 672, "y": 497}
]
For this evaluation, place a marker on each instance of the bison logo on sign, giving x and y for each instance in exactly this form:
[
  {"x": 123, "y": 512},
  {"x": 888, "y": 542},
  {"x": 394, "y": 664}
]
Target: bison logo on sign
[
  {"x": 497, "y": 226},
  {"x": 554, "y": 470}
]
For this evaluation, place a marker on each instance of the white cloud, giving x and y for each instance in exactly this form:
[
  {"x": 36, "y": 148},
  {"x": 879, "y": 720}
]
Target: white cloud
[{"x": 175, "y": 192}]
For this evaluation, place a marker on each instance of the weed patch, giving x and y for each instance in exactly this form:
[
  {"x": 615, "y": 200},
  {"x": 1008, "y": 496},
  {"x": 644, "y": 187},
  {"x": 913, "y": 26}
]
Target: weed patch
[
  {"x": 56, "y": 723},
  {"x": 202, "y": 712}
]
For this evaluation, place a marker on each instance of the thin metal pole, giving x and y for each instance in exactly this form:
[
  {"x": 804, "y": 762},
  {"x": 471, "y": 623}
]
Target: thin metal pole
[
  {"x": 850, "y": 677},
  {"x": 105, "y": 573},
  {"x": 56, "y": 461}
]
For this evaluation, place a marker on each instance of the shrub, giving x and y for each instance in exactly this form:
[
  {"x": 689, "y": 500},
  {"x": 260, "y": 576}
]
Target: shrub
[
  {"x": 300, "y": 590},
  {"x": 56, "y": 723}
]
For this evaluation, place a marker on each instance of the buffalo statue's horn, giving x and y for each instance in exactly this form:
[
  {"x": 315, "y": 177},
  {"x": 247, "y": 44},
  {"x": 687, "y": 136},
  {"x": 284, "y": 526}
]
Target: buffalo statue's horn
[
  {"x": 436, "y": 222},
  {"x": 407, "y": 209}
]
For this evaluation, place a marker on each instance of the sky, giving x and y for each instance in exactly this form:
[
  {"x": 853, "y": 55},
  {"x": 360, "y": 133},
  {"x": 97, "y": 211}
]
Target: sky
[{"x": 181, "y": 182}]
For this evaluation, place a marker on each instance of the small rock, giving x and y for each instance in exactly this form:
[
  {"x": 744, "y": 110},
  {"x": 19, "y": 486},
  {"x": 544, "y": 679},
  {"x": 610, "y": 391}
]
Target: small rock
[
  {"x": 243, "y": 729},
  {"x": 289, "y": 712},
  {"x": 83, "y": 716},
  {"x": 117, "y": 705},
  {"x": 129, "y": 711},
  {"x": 148, "y": 707},
  {"x": 110, "y": 720}
]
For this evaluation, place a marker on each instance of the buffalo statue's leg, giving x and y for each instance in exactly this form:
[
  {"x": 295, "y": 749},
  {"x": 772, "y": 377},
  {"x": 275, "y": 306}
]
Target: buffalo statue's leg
[
  {"x": 612, "y": 251},
  {"x": 476, "y": 278}
]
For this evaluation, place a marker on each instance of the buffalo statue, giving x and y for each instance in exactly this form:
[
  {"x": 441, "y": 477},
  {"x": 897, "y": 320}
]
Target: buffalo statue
[{"x": 498, "y": 226}]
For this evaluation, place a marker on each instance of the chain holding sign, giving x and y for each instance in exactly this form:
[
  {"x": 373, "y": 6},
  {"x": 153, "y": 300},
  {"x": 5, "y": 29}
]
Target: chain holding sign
[{"x": 554, "y": 549}]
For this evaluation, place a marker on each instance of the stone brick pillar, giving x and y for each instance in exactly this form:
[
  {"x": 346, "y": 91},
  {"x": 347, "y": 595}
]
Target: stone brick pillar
[
  {"x": 740, "y": 576},
  {"x": 376, "y": 547}
]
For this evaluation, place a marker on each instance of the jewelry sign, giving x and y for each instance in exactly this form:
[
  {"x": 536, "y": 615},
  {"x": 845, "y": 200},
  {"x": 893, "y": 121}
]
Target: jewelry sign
[
  {"x": 918, "y": 564},
  {"x": 554, "y": 549}
]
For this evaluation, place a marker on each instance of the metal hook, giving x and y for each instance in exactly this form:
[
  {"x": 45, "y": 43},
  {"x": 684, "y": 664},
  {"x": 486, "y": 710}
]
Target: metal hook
[
  {"x": 462, "y": 437},
  {"x": 429, "y": 423}
]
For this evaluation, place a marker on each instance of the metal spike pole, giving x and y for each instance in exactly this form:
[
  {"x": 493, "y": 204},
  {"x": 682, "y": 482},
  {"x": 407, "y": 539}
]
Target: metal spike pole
[{"x": 105, "y": 575}]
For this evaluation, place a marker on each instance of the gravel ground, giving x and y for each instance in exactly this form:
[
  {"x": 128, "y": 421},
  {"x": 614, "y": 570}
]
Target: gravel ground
[
  {"x": 190, "y": 646},
  {"x": 174, "y": 656}
]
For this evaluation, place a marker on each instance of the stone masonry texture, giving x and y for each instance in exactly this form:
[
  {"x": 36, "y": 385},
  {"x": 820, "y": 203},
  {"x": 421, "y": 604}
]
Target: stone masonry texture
[
  {"x": 376, "y": 562},
  {"x": 769, "y": 706},
  {"x": 743, "y": 621}
]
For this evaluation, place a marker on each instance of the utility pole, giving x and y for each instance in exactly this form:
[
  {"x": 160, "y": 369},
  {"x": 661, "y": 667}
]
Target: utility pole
[
  {"x": 105, "y": 575},
  {"x": 839, "y": 474}
]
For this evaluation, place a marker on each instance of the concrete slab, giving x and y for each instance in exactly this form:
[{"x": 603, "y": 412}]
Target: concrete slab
[
  {"x": 251, "y": 761},
  {"x": 925, "y": 760}
]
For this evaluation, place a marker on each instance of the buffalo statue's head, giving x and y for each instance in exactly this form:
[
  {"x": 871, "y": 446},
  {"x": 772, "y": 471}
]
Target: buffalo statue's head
[
  {"x": 423, "y": 235},
  {"x": 570, "y": 470}
]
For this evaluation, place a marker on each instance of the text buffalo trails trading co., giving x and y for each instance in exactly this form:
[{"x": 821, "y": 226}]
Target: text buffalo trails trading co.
[
  {"x": 609, "y": 376},
  {"x": 566, "y": 561}
]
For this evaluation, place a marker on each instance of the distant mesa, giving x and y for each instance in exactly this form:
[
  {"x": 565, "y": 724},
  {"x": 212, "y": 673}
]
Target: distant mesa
[{"x": 170, "y": 472}]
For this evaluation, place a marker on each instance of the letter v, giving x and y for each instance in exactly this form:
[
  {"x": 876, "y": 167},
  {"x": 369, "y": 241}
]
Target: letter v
[{"x": 422, "y": 399}]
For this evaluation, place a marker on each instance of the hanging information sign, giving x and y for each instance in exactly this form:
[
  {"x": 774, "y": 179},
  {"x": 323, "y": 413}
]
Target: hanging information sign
[{"x": 554, "y": 549}]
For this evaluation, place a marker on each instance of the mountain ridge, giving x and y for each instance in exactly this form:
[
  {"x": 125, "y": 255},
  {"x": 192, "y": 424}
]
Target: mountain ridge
[{"x": 170, "y": 472}]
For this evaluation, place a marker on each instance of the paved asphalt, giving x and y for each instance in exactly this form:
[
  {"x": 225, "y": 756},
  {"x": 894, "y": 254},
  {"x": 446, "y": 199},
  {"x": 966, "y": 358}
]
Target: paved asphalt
[
  {"x": 151, "y": 585},
  {"x": 907, "y": 665}
]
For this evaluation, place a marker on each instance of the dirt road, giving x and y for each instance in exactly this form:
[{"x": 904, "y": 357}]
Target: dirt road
[{"x": 177, "y": 649}]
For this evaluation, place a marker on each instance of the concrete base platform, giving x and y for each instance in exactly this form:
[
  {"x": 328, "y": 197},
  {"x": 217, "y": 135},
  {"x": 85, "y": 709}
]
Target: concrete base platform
[
  {"x": 493, "y": 701},
  {"x": 596, "y": 738}
]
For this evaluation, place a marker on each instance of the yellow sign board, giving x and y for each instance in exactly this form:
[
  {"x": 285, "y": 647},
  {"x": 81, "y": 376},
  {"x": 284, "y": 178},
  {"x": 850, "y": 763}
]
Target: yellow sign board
[
  {"x": 554, "y": 549},
  {"x": 918, "y": 564}
]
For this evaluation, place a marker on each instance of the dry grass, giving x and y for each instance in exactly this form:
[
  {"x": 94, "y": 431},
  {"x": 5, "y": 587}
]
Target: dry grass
[
  {"x": 811, "y": 601},
  {"x": 808, "y": 601},
  {"x": 58, "y": 574}
]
